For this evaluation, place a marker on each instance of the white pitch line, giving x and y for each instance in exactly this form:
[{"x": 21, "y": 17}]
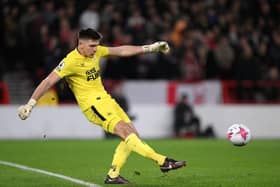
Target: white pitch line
[{"x": 78, "y": 181}]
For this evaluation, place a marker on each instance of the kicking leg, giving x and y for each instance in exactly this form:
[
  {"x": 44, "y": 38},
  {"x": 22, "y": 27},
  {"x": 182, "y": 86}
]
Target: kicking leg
[{"x": 129, "y": 134}]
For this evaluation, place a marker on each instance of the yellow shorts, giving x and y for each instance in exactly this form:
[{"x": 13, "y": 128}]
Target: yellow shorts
[{"x": 106, "y": 112}]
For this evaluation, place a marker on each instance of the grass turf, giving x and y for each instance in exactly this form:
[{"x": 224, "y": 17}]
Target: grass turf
[{"x": 210, "y": 163}]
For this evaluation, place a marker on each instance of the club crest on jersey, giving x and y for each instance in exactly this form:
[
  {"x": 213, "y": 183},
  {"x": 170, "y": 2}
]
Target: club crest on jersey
[
  {"x": 92, "y": 74},
  {"x": 60, "y": 66}
]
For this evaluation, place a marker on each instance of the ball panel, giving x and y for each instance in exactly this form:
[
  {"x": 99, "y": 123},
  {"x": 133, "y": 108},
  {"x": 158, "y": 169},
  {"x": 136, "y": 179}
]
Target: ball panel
[{"x": 238, "y": 134}]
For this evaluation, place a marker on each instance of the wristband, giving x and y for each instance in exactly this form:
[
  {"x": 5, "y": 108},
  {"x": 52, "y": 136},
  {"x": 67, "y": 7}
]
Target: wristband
[
  {"x": 146, "y": 48},
  {"x": 32, "y": 102}
]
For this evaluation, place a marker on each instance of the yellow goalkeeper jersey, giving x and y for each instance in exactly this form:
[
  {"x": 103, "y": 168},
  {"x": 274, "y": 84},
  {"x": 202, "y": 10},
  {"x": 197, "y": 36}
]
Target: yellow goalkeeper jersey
[{"x": 83, "y": 76}]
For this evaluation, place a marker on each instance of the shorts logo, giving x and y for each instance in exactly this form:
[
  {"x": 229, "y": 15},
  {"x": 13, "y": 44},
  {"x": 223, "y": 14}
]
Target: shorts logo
[{"x": 60, "y": 66}]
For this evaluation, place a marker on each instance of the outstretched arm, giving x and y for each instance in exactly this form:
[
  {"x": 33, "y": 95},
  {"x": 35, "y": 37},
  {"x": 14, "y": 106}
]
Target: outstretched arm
[
  {"x": 25, "y": 110},
  {"x": 130, "y": 50}
]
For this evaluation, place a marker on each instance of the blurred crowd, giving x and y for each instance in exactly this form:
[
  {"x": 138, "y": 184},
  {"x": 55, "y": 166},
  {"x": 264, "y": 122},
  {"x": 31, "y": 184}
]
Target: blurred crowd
[{"x": 210, "y": 39}]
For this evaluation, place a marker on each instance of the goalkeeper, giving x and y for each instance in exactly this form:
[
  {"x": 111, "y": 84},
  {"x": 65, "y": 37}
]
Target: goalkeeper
[{"x": 80, "y": 68}]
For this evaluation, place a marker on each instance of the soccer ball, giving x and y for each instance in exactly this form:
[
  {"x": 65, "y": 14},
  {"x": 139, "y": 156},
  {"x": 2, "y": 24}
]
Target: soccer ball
[{"x": 238, "y": 134}]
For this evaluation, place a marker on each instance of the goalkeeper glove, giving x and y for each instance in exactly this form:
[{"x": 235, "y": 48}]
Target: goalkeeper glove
[
  {"x": 25, "y": 110},
  {"x": 161, "y": 46}
]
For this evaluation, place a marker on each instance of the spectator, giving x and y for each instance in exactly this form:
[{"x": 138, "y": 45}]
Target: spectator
[
  {"x": 11, "y": 34},
  {"x": 90, "y": 17},
  {"x": 246, "y": 69},
  {"x": 274, "y": 51},
  {"x": 271, "y": 90},
  {"x": 192, "y": 66},
  {"x": 224, "y": 56},
  {"x": 185, "y": 121},
  {"x": 48, "y": 13}
]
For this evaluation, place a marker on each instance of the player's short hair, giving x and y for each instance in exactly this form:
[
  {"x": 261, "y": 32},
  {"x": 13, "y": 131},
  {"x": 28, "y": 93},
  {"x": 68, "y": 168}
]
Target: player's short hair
[{"x": 89, "y": 34}]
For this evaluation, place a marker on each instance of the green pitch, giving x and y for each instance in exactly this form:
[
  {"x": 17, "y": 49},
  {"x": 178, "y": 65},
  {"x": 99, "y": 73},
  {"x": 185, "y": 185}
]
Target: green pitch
[{"x": 210, "y": 163}]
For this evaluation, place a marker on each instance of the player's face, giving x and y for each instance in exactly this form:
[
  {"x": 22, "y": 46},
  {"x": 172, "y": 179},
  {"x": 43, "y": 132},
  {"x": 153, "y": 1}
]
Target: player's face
[{"x": 88, "y": 47}]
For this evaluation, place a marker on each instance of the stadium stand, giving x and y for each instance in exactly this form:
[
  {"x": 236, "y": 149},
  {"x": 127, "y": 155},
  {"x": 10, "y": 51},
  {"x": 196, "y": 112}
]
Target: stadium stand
[{"x": 210, "y": 39}]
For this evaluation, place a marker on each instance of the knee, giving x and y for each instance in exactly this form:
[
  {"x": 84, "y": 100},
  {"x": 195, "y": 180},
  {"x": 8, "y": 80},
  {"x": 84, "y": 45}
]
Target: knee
[{"x": 123, "y": 130}]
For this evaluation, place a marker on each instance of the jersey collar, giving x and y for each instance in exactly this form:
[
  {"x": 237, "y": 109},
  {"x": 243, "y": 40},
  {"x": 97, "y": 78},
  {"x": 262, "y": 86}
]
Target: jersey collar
[{"x": 78, "y": 53}]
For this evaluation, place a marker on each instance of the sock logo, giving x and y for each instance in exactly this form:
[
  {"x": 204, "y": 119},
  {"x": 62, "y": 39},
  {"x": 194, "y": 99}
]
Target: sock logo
[{"x": 113, "y": 167}]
